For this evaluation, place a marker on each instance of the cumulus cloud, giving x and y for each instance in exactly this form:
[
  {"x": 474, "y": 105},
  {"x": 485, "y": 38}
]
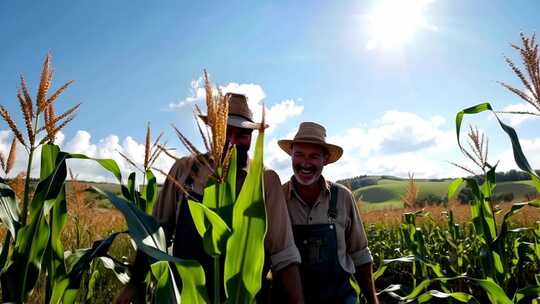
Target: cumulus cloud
[
  {"x": 517, "y": 119},
  {"x": 531, "y": 149},
  {"x": 197, "y": 93},
  {"x": 82, "y": 142},
  {"x": 395, "y": 144},
  {"x": 276, "y": 114}
]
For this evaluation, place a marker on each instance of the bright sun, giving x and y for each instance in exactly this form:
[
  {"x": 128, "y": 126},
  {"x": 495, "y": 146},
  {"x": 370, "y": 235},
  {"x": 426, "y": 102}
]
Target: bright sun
[{"x": 393, "y": 23}]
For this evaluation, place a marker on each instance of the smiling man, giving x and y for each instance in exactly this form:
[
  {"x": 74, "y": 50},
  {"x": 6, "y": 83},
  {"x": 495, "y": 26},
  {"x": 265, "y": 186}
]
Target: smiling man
[{"x": 327, "y": 227}]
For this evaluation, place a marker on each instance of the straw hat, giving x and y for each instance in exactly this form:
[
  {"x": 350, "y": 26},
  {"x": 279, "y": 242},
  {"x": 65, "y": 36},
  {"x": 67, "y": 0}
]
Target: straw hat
[
  {"x": 239, "y": 113},
  {"x": 312, "y": 133}
]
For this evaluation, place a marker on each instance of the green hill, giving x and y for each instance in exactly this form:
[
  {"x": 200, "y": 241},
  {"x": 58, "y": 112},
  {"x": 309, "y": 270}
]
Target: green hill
[
  {"x": 387, "y": 192},
  {"x": 378, "y": 192}
]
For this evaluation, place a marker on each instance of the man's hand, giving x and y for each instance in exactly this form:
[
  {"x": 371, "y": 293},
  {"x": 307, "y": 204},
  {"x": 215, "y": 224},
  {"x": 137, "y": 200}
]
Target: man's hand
[
  {"x": 364, "y": 277},
  {"x": 132, "y": 293}
]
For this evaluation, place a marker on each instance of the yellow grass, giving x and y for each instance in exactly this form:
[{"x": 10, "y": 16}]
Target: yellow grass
[{"x": 462, "y": 213}]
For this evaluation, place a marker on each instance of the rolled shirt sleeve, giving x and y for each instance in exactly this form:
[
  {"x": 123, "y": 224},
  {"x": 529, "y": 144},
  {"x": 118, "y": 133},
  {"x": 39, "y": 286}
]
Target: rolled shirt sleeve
[
  {"x": 355, "y": 236},
  {"x": 279, "y": 237}
]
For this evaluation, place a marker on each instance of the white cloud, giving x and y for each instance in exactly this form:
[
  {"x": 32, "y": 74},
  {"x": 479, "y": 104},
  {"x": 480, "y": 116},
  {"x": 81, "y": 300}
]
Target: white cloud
[
  {"x": 197, "y": 93},
  {"x": 395, "y": 144},
  {"x": 531, "y": 149},
  {"x": 279, "y": 113},
  {"x": 517, "y": 119},
  {"x": 276, "y": 114},
  {"x": 82, "y": 142}
]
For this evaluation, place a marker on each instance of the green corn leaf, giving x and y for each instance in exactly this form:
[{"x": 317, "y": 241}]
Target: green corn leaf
[
  {"x": 380, "y": 271},
  {"x": 459, "y": 296},
  {"x": 519, "y": 156},
  {"x": 77, "y": 263},
  {"x": 193, "y": 282},
  {"x": 166, "y": 289},
  {"x": 245, "y": 248},
  {"x": 231, "y": 175},
  {"x": 406, "y": 259},
  {"x": 210, "y": 197},
  {"x": 150, "y": 191},
  {"x": 220, "y": 197},
  {"x": 9, "y": 213},
  {"x": 227, "y": 191},
  {"x": 527, "y": 292},
  {"x": 143, "y": 228},
  {"x": 23, "y": 269},
  {"x": 98, "y": 249},
  {"x": 210, "y": 227},
  {"x": 108, "y": 164},
  {"x": 131, "y": 187},
  {"x": 54, "y": 258},
  {"x": 4, "y": 251},
  {"x": 56, "y": 209},
  {"x": 495, "y": 292},
  {"x": 454, "y": 186},
  {"x": 94, "y": 277},
  {"x": 120, "y": 271}
]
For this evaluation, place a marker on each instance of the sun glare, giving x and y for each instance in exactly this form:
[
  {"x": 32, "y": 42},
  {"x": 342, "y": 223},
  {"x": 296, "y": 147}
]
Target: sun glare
[{"x": 393, "y": 23}]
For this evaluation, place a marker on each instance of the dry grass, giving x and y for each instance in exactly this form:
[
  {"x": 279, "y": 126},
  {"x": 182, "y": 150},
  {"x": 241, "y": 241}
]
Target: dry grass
[
  {"x": 527, "y": 217},
  {"x": 411, "y": 193},
  {"x": 87, "y": 223},
  {"x": 17, "y": 185}
]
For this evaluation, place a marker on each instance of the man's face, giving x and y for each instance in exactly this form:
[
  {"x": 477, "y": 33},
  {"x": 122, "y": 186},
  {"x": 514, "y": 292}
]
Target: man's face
[
  {"x": 308, "y": 161},
  {"x": 242, "y": 139}
]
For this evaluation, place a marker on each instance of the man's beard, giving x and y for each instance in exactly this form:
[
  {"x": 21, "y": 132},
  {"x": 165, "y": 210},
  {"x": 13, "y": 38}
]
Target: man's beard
[
  {"x": 241, "y": 156},
  {"x": 316, "y": 174}
]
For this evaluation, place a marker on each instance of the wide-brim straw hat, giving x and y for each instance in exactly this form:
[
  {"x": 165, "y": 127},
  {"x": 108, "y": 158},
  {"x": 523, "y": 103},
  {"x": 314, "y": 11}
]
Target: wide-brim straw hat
[
  {"x": 239, "y": 113},
  {"x": 312, "y": 133}
]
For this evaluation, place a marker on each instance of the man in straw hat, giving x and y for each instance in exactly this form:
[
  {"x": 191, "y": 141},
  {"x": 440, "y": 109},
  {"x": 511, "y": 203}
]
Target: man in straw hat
[
  {"x": 282, "y": 255},
  {"x": 327, "y": 227}
]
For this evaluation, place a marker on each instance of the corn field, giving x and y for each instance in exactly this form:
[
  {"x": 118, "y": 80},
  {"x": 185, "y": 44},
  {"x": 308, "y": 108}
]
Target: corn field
[{"x": 47, "y": 255}]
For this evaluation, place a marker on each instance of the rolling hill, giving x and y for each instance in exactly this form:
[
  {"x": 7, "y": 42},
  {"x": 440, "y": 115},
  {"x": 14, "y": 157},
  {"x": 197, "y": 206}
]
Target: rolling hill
[{"x": 387, "y": 192}]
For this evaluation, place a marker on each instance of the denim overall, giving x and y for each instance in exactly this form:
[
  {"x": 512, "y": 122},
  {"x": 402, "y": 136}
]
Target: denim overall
[{"x": 323, "y": 278}]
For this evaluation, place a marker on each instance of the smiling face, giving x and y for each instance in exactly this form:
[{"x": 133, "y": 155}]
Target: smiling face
[{"x": 308, "y": 161}]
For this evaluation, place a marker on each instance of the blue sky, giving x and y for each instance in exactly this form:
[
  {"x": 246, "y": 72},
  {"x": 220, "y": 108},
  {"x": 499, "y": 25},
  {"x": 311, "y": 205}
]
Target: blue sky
[{"x": 392, "y": 108}]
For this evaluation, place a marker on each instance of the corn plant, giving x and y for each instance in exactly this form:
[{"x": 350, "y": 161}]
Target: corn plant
[
  {"x": 33, "y": 244},
  {"x": 482, "y": 255},
  {"x": 228, "y": 225}
]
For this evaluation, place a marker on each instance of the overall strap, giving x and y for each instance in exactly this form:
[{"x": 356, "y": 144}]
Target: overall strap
[{"x": 332, "y": 208}]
